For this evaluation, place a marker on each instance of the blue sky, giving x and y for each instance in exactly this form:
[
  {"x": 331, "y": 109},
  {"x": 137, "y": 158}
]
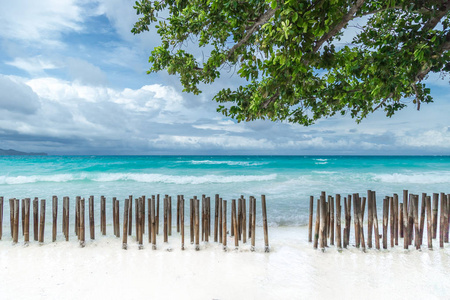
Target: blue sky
[{"x": 73, "y": 81}]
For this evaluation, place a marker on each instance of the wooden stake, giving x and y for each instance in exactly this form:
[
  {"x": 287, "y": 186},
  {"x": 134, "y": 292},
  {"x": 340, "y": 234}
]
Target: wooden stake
[
  {"x": 126, "y": 207},
  {"x": 338, "y": 221},
  {"x": 323, "y": 208},
  {"x": 429, "y": 222},
  {"x": 103, "y": 215},
  {"x": 441, "y": 223},
  {"x": 16, "y": 221},
  {"x": 91, "y": 218},
  {"x": 55, "y": 217},
  {"x": 252, "y": 248},
  {"x": 26, "y": 235},
  {"x": 182, "y": 221},
  {"x": 331, "y": 221},
  {"x": 244, "y": 221},
  {"x": 140, "y": 224},
  {"x": 369, "y": 218},
  {"x": 157, "y": 214},
  {"x": 154, "y": 225},
  {"x": 1, "y": 218},
  {"x": 36, "y": 219},
  {"x": 375, "y": 221},
  {"x": 82, "y": 230},
  {"x": 192, "y": 220},
  {"x": 311, "y": 209},
  {"x": 224, "y": 224},
  {"x": 42, "y": 222},
  {"x": 405, "y": 220},
  {"x": 197, "y": 224},
  {"x": 130, "y": 215},
  {"x": 11, "y": 216},
  {"x": 356, "y": 206},
  {"x": 149, "y": 217},
  {"x": 396, "y": 219},
  {"x": 216, "y": 218},
  {"x": 317, "y": 225},
  {"x": 234, "y": 224},
  {"x": 401, "y": 221},
  {"x": 422, "y": 218},
  {"x": 435, "y": 213},
  {"x": 23, "y": 216},
  {"x": 391, "y": 219},
  {"x": 385, "y": 221},
  {"x": 166, "y": 204},
  {"x": 416, "y": 221},
  {"x": 445, "y": 217},
  {"x": 178, "y": 213},
  {"x": 77, "y": 215}
]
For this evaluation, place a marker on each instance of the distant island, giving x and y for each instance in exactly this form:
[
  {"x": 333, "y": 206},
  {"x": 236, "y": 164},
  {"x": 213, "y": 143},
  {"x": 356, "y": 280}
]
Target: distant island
[{"x": 15, "y": 152}]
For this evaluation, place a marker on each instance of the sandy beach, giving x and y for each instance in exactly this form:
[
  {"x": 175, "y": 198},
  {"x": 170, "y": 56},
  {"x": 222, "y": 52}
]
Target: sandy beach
[{"x": 292, "y": 270}]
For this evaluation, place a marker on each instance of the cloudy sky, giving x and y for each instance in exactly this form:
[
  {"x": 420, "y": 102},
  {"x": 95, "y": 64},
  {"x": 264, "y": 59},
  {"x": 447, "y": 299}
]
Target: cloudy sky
[{"x": 73, "y": 81}]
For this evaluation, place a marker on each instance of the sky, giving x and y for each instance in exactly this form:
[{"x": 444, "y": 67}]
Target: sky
[{"x": 73, "y": 81}]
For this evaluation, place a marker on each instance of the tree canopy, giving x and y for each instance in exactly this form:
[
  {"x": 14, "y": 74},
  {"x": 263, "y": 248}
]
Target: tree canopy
[{"x": 289, "y": 53}]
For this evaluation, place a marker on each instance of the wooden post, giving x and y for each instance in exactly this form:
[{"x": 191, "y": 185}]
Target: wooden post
[
  {"x": 349, "y": 216},
  {"x": 114, "y": 216},
  {"x": 356, "y": 200},
  {"x": 411, "y": 219},
  {"x": 216, "y": 218},
  {"x": 166, "y": 203},
  {"x": 67, "y": 218},
  {"x": 405, "y": 220},
  {"x": 16, "y": 221},
  {"x": 91, "y": 218},
  {"x": 244, "y": 221},
  {"x": 64, "y": 223},
  {"x": 11, "y": 216},
  {"x": 42, "y": 222},
  {"x": 126, "y": 207},
  {"x": 322, "y": 236},
  {"x": 26, "y": 231},
  {"x": 36, "y": 219},
  {"x": 140, "y": 222},
  {"x": 224, "y": 224},
  {"x": 77, "y": 215},
  {"x": 435, "y": 213},
  {"x": 234, "y": 224},
  {"x": 345, "y": 243},
  {"x": 445, "y": 218},
  {"x": 422, "y": 217},
  {"x": 254, "y": 224},
  {"x": 55, "y": 217},
  {"x": 154, "y": 225},
  {"x": 396, "y": 219},
  {"x": 197, "y": 224},
  {"x": 331, "y": 203},
  {"x": 232, "y": 233},
  {"x": 23, "y": 216},
  {"x": 441, "y": 224},
  {"x": 385, "y": 221},
  {"x": 360, "y": 218},
  {"x": 182, "y": 221},
  {"x": 265, "y": 227},
  {"x": 143, "y": 214},
  {"x": 192, "y": 220},
  {"x": 429, "y": 222},
  {"x": 82, "y": 230},
  {"x": 369, "y": 218},
  {"x": 157, "y": 214},
  {"x": 130, "y": 215},
  {"x": 338, "y": 221},
  {"x": 136, "y": 218},
  {"x": 220, "y": 221},
  {"x": 416, "y": 221},
  {"x": 149, "y": 217},
  {"x": 317, "y": 225},
  {"x": 178, "y": 213},
  {"x": 169, "y": 215},
  {"x": 375, "y": 221},
  {"x": 239, "y": 219},
  {"x": 207, "y": 219},
  {"x": 103, "y": 215},
  {"x": 391, "y": 219},
  {"x": 400, "y": 222}
]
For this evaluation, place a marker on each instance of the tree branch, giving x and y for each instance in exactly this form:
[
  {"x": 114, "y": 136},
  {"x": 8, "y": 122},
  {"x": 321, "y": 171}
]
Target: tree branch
[
  {"x": 270, "y": 100},
  {"x": 349, "y": 16},
  {"x": 260, "y": 21},
  {"x": 443, "y": 10}
]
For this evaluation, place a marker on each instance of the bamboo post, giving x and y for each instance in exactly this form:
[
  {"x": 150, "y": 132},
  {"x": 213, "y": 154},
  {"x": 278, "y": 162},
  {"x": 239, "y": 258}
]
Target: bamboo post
[
  {"x": 338, "y": 221},
  {"x": 182, "y": 221},
  {"x": 369, "y": 219},
  {"x": 82, "y": 229},
  {"x": 396, "y": 219},
  {"x": 149, "y": 217},
  {"x": 322, "y": 236},
  {"x": 234, "y": 224},
  {"x": 244, "y": 221},
  {"x": 429, "y": 222},
  {"x": 197, "y": 224},
  {"x": 42, "y": 222},
  {"x": 216, "y": 218},
  {"x": 220, "y": 221},
  {"x": 391, "y": 219},
  {"x": 192, "y": 220},
  {"x": 11, "y": 216},
  {"x": 140, "y": 223},
  {"x": 26, "y": 232},
  {"x": 77, "y": 215},
  {"x": 1, "y": 218},
  {"x": 416, "y": 222},
  {"x": 125, "y": 224},
  {"x": 91, "y": 218},
  {"x": 385, "y": 221},
  {"x": 55, "y": 217},
  {"x": 331, "y": 204},
  {"x": 375, "y": 221},
  {"x": 153, "y": 220},
  {"x": 355, "y": 217},
  {"x": 224, "y": 224},
  {"x": 405, "y": 221},
  {"x": 36, "y": 219},
  {"x": 130, "y": 215},
  {"x": 166, "y": 200},
  {"x": 103, "y": 215},
  {"x": 445, "y": 213},
  {"x": 23, "y": 216},
  {"x": 252, "y": 248},
  {"x": 16, "y": 221},
  {"x": 435, "y": 213}
]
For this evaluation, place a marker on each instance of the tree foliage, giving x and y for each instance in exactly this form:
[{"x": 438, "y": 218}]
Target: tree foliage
[{"x": 289, "y": 53}]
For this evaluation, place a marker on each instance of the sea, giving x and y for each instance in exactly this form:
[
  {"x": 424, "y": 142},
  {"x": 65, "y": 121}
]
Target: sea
[{"x": 286, "y": 181}]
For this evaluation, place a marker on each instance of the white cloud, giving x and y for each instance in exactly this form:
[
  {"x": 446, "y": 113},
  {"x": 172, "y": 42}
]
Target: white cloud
[
  {"x": 33, "y": 65},
  {"x": 17, "y": 97},
  {"x": 39, "y": 21}
]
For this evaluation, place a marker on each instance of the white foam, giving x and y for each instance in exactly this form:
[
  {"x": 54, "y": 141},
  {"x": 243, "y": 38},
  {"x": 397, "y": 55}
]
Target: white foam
[
  {"x": 414, "y": 178},
  {"x": 228, "y": 162}
]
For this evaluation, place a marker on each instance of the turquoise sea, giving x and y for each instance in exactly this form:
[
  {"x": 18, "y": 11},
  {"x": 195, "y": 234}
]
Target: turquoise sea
[{"x": 287, "y": 181}]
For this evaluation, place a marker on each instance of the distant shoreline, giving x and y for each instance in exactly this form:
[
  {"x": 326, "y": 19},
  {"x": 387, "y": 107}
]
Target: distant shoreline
[{"x": 12, "y": 152}]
